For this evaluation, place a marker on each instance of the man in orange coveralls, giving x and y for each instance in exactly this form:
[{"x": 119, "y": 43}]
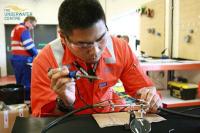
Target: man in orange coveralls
[{"x": 85, "y": 45}]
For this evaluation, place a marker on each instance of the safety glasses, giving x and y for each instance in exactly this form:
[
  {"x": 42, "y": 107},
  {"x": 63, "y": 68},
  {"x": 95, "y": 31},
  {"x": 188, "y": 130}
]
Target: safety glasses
[{"x": 100, "y": 42}]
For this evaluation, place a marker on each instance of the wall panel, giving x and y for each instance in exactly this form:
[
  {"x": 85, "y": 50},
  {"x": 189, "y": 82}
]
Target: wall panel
[
  {"x": 189, "y": 19},
  {"x": 153, "y": 44}
]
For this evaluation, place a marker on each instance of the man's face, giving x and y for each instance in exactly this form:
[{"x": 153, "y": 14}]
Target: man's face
[
  {"x": 30, "y": 24},
  {"x": 88, "y": 44}
]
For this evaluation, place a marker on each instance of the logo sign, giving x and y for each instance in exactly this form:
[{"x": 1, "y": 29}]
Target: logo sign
[
  {"x": 103, "y": 84},
  {"x": 15, "y": 13}
]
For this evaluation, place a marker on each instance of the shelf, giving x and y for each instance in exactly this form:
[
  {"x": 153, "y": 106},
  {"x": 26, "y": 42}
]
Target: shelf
[
  {"x": 169, "y": 64},
  {"x": 171, "y": 102}
]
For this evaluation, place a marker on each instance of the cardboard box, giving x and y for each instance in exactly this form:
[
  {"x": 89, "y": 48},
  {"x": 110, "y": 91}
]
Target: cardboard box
[{"x": 7, "y": 118}]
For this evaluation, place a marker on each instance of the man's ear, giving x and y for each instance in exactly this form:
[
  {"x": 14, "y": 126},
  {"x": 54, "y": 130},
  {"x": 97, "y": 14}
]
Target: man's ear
[{"x": 62, "y": 36}]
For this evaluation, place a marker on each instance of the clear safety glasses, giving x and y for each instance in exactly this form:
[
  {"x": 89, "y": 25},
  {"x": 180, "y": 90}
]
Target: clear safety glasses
[{"x": 101, "y": 42}]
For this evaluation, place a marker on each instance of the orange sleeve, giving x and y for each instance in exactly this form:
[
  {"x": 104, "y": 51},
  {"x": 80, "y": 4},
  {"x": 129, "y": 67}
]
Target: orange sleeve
[
  {"x": 133, "y": 76},
  {"x": 41, "y": 93}
]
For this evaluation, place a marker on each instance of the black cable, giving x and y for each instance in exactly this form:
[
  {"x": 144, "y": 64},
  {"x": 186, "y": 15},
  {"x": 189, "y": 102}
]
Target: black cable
[
  {"x": 179, "y": 113},
  {"x": 134, "y": 100},
  {"x": 60, "y": 119},
  {"x": 81, "y": 98},
  {"x": 190, "y": 109}
]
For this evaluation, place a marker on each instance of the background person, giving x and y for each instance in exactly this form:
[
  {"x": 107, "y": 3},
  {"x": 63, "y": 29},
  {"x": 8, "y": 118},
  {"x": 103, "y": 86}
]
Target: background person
[{"x": 23, "y": 51}]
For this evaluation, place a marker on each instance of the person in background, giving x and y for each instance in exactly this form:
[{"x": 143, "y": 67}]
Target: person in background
[
  {"x": 86, "y": 46},
  {"x": 23, "y": 52}
]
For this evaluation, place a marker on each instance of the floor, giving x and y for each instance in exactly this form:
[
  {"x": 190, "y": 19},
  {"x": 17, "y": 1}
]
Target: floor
[{"x": 7, "y": 80}]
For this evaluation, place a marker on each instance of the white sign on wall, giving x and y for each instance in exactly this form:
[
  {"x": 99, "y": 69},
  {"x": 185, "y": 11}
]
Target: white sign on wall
[{"x": 15, "y": 13}]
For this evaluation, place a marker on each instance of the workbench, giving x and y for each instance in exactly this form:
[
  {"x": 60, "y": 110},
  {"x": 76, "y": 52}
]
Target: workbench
[
  {"x": 172, "y": 65},
  {"x": 87, "y": 124}
]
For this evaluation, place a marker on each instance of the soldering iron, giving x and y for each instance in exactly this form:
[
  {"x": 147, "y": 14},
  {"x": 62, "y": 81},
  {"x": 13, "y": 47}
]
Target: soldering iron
[{"x": 77, "y": 74}]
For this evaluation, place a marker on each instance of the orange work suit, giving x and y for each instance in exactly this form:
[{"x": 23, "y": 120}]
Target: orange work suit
[{"x": 126, "y": 68}]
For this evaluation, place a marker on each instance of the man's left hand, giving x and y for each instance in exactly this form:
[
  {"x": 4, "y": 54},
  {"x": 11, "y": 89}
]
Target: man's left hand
[{"x": 150, "y": 95}]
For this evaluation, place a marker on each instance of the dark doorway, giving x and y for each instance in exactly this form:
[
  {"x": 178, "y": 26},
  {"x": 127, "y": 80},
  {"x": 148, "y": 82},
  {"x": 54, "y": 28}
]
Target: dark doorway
[{"x": 42, "y": 35}]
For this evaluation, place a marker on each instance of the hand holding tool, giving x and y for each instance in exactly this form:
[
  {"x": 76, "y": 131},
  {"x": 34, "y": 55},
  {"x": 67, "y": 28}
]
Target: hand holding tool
[{"x": 77, "y": 74}]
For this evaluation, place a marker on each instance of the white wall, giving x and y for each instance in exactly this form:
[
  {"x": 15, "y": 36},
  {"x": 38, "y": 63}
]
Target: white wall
[
  {"x": 2, "y": 44},
  {"x": 122, "y": 18},
  {"x": 116, "y": 7},
  {"x": 126, "y": 24}
]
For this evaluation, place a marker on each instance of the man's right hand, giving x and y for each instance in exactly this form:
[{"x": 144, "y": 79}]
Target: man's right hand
[{"x": 63, "y": 86}]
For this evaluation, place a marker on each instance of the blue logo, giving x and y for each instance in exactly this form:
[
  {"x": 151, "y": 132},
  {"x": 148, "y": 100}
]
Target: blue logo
[{"x": 103, "y": 84}]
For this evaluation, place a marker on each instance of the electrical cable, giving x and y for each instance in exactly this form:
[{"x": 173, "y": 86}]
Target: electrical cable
[
  {"x": 190, "y": 109},
  {"x": 178, "y": 113},
  {"x": 121, "y": 110},
  {"x": 81, "y": 98},
  {"x": 60, "y": 119},
  {"x": 175, "y": 112},
  {"x": 134, "y": 100}
]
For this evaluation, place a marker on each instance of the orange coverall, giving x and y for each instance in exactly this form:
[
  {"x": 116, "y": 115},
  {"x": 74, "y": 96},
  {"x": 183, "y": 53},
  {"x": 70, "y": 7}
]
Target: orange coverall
[{"x": 126, "y": 68}]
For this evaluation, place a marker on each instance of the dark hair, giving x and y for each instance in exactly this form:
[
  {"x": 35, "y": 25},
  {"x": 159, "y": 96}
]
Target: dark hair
[
  {"x": 126, "y": 37},
  {"x": 119, "y": 36},
  {"x": 30, "y": 18},
  {"x": 80, "y": 14}
]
